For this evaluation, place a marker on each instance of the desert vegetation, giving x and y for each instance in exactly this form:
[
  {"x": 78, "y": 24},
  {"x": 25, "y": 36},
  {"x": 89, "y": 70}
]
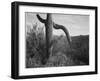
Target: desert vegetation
[
  {"x": 46, "y": 49},
  {"x": 62, "y": 54}
]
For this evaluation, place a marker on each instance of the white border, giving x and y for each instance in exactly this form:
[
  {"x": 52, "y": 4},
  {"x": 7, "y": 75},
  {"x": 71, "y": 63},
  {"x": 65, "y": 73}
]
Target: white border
[{"x": 52, "y": 70}]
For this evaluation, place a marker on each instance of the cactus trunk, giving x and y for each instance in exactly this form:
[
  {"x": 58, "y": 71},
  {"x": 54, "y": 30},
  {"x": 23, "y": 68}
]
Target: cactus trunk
[{"x": 49, "y": 26}]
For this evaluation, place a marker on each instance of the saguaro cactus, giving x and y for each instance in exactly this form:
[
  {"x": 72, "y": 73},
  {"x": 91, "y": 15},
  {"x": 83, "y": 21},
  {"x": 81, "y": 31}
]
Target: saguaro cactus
[{"x": 49, "y": 24}]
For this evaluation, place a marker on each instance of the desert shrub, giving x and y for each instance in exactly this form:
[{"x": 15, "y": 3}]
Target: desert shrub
[{"x": 35, "y": 47}]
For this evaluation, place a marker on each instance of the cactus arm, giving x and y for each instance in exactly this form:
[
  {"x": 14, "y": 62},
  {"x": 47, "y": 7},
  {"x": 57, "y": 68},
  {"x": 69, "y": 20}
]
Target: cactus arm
[
  {"x": 41, "y": 19},
  {"x": 56, "y": 26}
]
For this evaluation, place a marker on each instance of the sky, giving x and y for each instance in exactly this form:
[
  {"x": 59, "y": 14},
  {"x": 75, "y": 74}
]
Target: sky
[{"x": 75, "y": 23}]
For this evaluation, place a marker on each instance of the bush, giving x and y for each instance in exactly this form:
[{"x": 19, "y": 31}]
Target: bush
[{"x": 35, "y": 47}]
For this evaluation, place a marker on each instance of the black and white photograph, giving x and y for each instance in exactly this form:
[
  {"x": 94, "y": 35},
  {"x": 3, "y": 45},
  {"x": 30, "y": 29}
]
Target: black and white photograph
[
  {"x": 50, "y": 40},
  {"x": 54, "y": 40}
]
